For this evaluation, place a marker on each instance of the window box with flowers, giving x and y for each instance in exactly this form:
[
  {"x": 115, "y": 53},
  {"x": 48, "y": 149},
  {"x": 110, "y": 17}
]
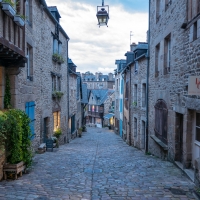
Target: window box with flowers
[
  {"x": 57, "y": 58},
  {"x": 57, "y": 94},
  {"x": 8, "y": 7},
  {"x": 19, "y": 20}
]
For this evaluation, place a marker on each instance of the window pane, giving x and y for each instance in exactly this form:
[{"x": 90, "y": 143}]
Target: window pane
[
  {"x": 198, "y": 134},
  {"x": 198, "y": 119}
]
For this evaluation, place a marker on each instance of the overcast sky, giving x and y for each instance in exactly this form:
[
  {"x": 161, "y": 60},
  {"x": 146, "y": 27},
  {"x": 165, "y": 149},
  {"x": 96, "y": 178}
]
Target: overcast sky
[{"x": 95, "y": 49}]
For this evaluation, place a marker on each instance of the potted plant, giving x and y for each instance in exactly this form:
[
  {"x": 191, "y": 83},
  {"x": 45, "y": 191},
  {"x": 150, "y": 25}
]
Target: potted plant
[
  {"x": 79, "y": 132},
  {"x": 57, "y": 94},
  {"x": 19, "y": 20},
  {"x": 8, "y": 7},
  {"x": 57, "y": 134},
  {"x": 57, "y": 58}
]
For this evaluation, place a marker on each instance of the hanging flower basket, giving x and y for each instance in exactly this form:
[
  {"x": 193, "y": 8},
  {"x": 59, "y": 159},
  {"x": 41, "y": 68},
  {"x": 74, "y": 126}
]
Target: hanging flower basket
[
  {"x": 18, "y": 20},
  {"x": 8, "y": 9}
]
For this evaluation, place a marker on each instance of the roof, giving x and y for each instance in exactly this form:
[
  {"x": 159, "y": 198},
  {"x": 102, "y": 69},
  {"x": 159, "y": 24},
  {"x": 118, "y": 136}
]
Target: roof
[
  {"x": 108, "y": 116},
  {"x": 84, "y": 93},
  {"x": 101, "y": 95},
  {"x": 54, "y": 9}
]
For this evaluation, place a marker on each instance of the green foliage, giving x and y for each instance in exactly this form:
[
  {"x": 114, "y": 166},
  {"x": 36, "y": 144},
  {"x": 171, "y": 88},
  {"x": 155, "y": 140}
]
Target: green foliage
[
  {"x": 57, "y": 133},
  {"x": 58, "y": 58},
  {"x": 3, "y": 118},
  {"x": 57, "y": 94},
  {"x": 10, "y": 2},
  {"x": 7, "y": 96},
  {"x": 134, "y": 103},
  {"x": 18, "y": 135}
]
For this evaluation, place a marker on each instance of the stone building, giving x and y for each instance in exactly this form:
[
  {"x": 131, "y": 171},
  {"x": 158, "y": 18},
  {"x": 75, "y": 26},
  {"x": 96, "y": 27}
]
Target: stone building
[
  {"x": 119, "y": 96},
  {"x": 12, "y": 53},
  {"x": 138, "y": 72},
  {"x": 42, "y": 86},
  {"x": 75, "y": 110},
  {"x": 95, "y": 107},
  {"x": 174, "y": 103},
  {"x": 109, "y": 109},
  {"x": 98, "y": 81}
]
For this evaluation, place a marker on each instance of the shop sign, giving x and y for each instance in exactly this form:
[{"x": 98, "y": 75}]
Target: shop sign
[{"x": 194, "y": 85}]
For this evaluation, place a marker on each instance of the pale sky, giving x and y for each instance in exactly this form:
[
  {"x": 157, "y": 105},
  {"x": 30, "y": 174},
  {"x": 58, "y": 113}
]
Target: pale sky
[{"x": 95, "y": 49}]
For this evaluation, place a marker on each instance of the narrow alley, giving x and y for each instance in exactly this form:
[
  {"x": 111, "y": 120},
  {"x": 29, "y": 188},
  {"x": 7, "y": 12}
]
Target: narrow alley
[{"x": 99, "y": 165}]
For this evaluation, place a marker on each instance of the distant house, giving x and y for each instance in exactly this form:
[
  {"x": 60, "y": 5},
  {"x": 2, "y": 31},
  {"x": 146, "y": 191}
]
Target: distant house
[
  {"x": 98, "y": 81},
  {"x": 95, "y": 106},
  {"x": 119, "y": 89}
]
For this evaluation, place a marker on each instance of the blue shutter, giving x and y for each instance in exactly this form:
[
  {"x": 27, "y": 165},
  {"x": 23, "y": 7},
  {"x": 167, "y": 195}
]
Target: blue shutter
[
  {"x": 120, "y": 109},
  {"x": 30, "y": 111}
]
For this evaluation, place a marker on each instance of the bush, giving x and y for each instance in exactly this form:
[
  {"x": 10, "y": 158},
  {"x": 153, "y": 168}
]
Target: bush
[
  {"x": 57, "y": 133},
  {"x": 18, "y": 135}
]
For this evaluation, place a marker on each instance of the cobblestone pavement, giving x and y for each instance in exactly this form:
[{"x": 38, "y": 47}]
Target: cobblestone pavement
[{"x": 98, "y": 166}]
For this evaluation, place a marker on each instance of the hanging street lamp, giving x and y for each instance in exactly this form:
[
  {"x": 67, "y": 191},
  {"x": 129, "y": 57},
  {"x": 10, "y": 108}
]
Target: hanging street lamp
[{"x": 102, "y": 15}]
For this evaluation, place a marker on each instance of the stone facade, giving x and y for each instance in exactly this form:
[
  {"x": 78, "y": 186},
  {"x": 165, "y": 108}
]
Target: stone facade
[
  {"x": 42, "y": 76},
  {"x": 174, "y": 57},
  {"x": 98, "y": 81},
  {"x": 138, "y": 102}
]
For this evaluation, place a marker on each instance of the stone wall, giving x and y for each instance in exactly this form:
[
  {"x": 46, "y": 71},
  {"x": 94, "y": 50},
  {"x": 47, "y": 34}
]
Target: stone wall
[
  {"x": 171, "y": 85},
  {"x": 39, "y": 89},
  {"x": 138, "y": 108}
]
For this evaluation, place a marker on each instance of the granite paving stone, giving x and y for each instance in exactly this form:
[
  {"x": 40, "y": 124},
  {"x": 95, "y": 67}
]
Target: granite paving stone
[{"x": 98, "y": 166}]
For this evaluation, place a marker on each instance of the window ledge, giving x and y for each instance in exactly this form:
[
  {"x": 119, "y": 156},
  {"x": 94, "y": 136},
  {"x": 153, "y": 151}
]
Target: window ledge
[{"x": 159, "y": 142}]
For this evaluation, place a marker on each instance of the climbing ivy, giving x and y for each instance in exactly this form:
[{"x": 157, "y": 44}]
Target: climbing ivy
[{"x": 7, "y": 96}]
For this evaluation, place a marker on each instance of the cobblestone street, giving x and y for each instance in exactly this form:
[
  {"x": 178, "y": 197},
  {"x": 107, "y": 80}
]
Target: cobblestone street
[{"x": 100, "y": 165}]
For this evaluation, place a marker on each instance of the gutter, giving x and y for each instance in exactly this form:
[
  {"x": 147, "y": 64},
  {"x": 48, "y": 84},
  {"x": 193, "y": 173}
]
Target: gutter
[{"x": 147, "y": 88}]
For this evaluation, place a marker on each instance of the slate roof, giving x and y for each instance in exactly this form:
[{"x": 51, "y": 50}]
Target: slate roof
[
  {"x": 101, "y": 95},
  {"x": 84, "y": 93}
]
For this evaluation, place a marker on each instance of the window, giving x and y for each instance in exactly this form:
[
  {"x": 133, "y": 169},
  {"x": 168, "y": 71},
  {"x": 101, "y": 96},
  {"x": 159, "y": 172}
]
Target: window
[
  {"x": 122, "y": 86},
  {"x": 93, "y": 108},
  {"x": 195, "y": 31},
  {"x": 158, "y": 10},
  {"x": 193, "y": 8},
  {"x": 157, "y": 59},
  {"x": 161, "y": 120},
  {"x": 117, "y": 85},
  {"x": 127, "y": 95},
  {"x": 96, "y": 108},
  {"x": 167, "y": 55},
  {"x": 198, "y": 127},
  {"x": 30, "y": 111},
  {"x": 28, "y": 12},
  {"x": 135, "y": 126},
  {"x": 143, "y": 95},
  {"x": 135, "y": 95},
  {"x": 136, "y": 66},
  {"x": 29, "y": 64},
  {"x": 89, "y": 107},
  {"x": 56, "y": 82},
  {"x": 167, "y": 4}
]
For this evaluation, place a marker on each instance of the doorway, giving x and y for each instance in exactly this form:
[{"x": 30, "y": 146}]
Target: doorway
[
  {"x": 45, "y": 130},
  {"x": 179, "y": 138}
]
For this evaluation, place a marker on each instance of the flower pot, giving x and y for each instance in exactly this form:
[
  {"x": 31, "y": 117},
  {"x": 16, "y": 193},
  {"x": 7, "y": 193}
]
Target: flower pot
[
  {"x": 13, "y": 168},
  {"x": 8, "y": 9},
  {"x": 18, "y": 20}
]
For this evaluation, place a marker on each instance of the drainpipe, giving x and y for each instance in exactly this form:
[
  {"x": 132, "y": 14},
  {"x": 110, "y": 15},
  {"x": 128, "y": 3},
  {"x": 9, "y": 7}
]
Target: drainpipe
[
  {"x": 67, "y": 91},
  {"x": 130, "y": 119},
  {"x": 147, "y": 86}
]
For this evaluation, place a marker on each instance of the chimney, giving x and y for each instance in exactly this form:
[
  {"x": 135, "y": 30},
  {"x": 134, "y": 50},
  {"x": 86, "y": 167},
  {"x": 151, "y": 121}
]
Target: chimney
[{"x": 132, "y": 46}]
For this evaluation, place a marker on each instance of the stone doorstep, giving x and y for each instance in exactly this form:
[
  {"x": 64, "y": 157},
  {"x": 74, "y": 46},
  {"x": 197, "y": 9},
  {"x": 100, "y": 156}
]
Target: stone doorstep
[{"x": 188, "y": 172}]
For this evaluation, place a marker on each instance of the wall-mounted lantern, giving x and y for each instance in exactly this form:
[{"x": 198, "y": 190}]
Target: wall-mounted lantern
[{"x": 102, "y": 14}]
